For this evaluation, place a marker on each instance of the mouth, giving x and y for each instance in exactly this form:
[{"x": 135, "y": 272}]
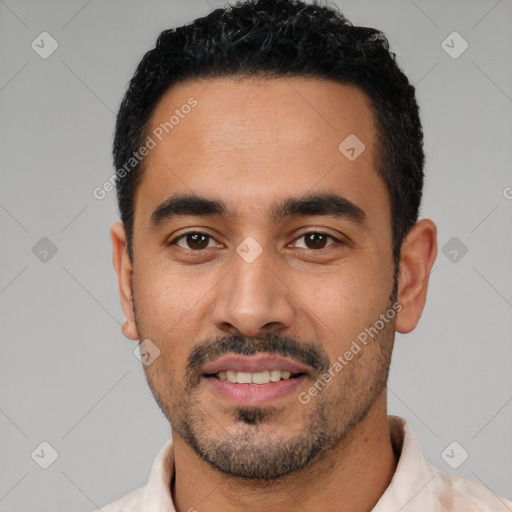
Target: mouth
[{"x": 254, "y": 380}]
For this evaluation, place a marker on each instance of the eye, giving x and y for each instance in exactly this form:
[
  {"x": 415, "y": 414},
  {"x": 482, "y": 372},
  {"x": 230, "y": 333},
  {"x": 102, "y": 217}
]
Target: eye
[
  {"x": 315, "y": 240},
  {"x": 195, "y": 240}
]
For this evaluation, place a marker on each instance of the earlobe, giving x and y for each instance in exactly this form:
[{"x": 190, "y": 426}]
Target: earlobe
[
  {"x": 130, "y": 330},
  {"x": 123, "y": 267},
  {"x": 419, "y": 251}
]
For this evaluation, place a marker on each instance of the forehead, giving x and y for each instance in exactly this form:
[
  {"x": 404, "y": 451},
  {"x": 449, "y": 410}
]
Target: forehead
[{"x": 256, "y": 138}]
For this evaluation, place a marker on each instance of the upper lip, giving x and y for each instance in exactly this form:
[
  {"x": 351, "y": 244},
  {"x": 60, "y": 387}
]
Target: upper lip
[{"x": 253, "y": 364}]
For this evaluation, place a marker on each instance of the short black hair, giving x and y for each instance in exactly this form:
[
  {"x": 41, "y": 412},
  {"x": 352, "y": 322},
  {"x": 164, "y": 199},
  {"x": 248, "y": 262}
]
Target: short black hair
[{"x": 273, "y": 39}]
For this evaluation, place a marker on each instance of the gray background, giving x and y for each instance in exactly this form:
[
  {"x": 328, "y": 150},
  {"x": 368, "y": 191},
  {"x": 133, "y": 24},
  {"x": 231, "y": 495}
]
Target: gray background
[{"x": 67, "y": 375}]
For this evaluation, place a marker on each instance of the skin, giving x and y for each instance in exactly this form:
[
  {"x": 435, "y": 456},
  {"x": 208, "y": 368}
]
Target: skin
[{"x": 270, "y": 140}]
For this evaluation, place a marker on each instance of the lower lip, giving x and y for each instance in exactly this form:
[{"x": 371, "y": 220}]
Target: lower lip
[{"x": 254, "y": 394}]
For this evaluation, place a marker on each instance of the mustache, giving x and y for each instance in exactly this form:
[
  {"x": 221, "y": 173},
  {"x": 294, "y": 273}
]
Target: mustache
[{"x": 308, "y": 354}]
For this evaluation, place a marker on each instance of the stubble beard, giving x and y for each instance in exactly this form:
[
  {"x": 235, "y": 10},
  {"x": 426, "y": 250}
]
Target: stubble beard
[{"x": 252, "y": 451}]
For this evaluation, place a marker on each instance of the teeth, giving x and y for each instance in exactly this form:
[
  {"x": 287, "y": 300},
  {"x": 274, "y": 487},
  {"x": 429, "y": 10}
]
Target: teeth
[
  {"x": 260, "y": 378},
  {"x": 253, "y": 378},
  {"x": 243, "y": 377},
  {"x": 275, "y": 375}
]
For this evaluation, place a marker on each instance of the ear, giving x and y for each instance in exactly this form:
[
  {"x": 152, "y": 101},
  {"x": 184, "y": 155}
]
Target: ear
[
  {"x": 418, "y": 253},
  {"x": 123, "y": 266}
]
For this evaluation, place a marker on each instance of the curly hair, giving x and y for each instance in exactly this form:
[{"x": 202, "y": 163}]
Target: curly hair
[{"x": 282, "y": 38}]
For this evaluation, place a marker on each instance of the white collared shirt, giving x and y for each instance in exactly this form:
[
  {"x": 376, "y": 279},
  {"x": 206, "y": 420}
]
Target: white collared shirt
[{"x": 416, "y": 486}]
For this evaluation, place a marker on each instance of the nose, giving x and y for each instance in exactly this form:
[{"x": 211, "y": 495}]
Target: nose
[{"x": 253, "y": 299}]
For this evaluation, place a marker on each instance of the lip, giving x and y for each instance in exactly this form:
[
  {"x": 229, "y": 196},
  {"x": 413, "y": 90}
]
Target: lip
[
  {"x": 254, "y": 394},
  {"x": 254, "y": 364}
]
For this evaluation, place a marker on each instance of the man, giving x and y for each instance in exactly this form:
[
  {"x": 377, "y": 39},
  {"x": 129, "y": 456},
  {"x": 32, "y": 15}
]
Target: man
[{"x": 269, "y": 175}]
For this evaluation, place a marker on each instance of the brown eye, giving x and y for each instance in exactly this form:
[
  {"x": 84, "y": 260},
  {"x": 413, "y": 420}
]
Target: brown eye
[
  {"x": 197, "y": 240},
  {"x": 317, "y": 240},
  {"x": 194, "y": 241}
]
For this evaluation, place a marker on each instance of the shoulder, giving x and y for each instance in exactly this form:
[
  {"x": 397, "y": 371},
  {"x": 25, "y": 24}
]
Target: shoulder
[
  {"x": 418, "y": 486},
  {"x": 456, "y": 494}
]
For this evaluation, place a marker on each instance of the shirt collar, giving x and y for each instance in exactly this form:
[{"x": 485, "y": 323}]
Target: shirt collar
[
  {"x": 409, "y": 489},
  {"x": 157, "y": 494}
]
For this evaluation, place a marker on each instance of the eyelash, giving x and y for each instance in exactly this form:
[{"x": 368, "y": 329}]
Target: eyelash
[{"x": 316, "y": 232}]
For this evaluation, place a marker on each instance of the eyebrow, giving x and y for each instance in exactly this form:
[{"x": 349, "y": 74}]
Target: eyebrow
[{"x": 329, "y": 205}]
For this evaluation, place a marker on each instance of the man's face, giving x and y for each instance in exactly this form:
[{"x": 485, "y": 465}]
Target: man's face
[{"x": 253, "y": 292}]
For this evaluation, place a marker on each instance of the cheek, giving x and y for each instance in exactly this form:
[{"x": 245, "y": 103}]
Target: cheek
[
  {"x": 347, "y": 298},
  {"x": 164, "y": 295},
  {"x": 167, "y": 305}
]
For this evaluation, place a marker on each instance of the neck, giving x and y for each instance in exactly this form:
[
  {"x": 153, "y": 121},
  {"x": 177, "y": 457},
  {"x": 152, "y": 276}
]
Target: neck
[{"x": 351, "y": 477}]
